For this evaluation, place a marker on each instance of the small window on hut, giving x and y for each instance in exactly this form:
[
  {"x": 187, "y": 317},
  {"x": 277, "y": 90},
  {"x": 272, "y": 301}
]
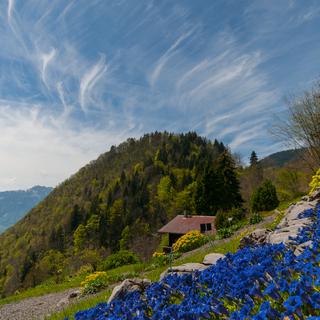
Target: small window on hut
[
  {"x": 203, "y": 227},
  {"x": 209, "y": 227}
]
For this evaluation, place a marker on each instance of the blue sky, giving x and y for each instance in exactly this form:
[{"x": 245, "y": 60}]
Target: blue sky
[{"x": 78, "y": 76}]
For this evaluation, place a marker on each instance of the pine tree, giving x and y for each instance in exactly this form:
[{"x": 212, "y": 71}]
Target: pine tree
[
  {"x": 253, "y": 159},
  {"x": 229, "y": 195},
  {"x": 208, "y": 192}
]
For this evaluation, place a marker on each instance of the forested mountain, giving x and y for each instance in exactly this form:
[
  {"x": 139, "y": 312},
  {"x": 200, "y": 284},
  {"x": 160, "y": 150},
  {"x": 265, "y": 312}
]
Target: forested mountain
[
  {"x": 117, "y": 202},
  {"x": 15, "y": 204}
]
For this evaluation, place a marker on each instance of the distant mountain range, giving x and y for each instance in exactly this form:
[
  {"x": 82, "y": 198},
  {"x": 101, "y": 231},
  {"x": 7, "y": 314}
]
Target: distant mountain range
[{"x": 15, "y": 204}]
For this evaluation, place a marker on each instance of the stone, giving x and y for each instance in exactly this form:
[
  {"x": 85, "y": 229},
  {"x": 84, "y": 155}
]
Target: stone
[
  {"x": 292, "y": 229},
  {"x": 294, "y": 211},
  {"x": 283, "y": 237},
  {"x": 257, "y": 237},
  {"x": 300, "y": 248},
  {"x": 74, "y": 294},
  {"x": 184, "y": 268},
  {"x": 212, "y": 258},
  {"x": 127, "y": 286}
]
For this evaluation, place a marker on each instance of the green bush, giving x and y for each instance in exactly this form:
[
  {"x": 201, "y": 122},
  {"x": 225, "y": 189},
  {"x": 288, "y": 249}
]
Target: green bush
[
  {"x": 224, "y": 233},
  {"x": 121, "y": 258},
  {"x": 264, "y": 198},
  {"x": 255, "y": 218},
  {"x": 225, "y": 219}
]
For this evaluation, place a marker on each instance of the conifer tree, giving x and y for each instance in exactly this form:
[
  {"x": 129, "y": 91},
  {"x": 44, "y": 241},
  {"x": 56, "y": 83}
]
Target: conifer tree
[
  {"x": 253, "y": 159},
  {"x": 229, "y": 193}
]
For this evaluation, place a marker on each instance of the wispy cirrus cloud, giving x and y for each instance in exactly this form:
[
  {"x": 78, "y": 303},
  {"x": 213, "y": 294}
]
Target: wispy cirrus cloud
[
  {"x": 46, "y": 58},
  {"x": 163, "y": 60},
  {"x": 89, "y": 79}
]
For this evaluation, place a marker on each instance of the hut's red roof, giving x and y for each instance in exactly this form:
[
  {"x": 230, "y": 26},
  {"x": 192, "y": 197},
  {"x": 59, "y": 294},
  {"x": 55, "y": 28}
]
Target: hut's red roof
[{"x": 181, "y": 224}]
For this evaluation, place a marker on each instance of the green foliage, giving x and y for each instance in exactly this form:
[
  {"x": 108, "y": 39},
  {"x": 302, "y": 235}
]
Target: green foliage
[
  {"x": 224, "y": 233},
  {"x": 79, "y": 237},
  {"x": 264, "y": 198},
  {"x": 253, "y": 159},
  {"x": 165, "y": 189},
  {"x": 225, "y": 219},
  {"x": 219, "y": 187},
  {"x": 255, "y": 218},
  {"x": 121, "y": 258},
  {"x": 315, "y": 182}
]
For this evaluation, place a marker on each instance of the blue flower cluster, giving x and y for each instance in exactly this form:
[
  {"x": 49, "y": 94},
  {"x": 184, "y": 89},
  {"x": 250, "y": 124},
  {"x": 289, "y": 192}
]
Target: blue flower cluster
[{"x": 265, "y": 282}]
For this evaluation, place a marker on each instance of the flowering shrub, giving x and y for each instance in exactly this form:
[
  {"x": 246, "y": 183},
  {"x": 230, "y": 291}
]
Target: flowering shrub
[
  {"x": 160, "y": 258},
  {"x": 94, "y": 282},
  {"x": 189, "y": 241},
  {"x": 315, "y": 181},
  {"x": 158, "y": 254},
  {"x": 265, "y": 282}
]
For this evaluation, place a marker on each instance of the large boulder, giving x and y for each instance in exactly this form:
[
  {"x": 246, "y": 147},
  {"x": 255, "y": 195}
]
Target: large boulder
[
  {"x": 127, "y": 286},
  {"x": 281, "y": 237},
  {"x": 257, "y": 237},
  {"x": 212, "y": 258},
  {"x": 184, "y": 268}
]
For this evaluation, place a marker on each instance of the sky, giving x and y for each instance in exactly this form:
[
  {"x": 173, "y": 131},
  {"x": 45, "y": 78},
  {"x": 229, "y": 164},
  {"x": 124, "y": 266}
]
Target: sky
[{"x": 79, "y": 76}]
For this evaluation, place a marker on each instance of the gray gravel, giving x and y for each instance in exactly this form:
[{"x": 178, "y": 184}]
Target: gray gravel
[{"x": 37, "y": 308}]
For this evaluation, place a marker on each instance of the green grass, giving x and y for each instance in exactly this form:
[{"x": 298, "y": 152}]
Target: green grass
[
  {"x": 115, "y": 275},
  {"x": 81, "y": 305},
  {"x": 45, "y": 288}
]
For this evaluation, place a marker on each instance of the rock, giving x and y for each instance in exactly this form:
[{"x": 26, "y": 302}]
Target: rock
[
  {"x": 74, "y": 294},
  {"x": 292, "y": 229},
  {"x": 300, "y": 248},
  {"x": 274, "y": 238},
  {"x": 305, "y": 198},
  {"x": 257, "y": 237},
  {"x": 294, "y": 211},
  {"x": 212, "y": 258},
  {"x": 127, "y": 286},
  {"x": 184, "y": 268}
]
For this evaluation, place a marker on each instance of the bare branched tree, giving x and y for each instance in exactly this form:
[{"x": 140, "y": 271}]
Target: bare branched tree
[{"x": 302, "y": 127}]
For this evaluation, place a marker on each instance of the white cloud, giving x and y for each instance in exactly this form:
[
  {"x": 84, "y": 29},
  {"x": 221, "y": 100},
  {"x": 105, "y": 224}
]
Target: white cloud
[
  {"x": 89, "y": 79},
  {"x": 32, "y": 144},
  {"x": 10, "y": 9},
  {"x": 163, "y": 60},
  {"x": 46, "y": 59}
]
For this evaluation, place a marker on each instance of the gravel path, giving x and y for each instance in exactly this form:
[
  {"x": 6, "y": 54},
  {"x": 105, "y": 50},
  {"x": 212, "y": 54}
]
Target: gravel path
[{"x": 36, "y": 308}]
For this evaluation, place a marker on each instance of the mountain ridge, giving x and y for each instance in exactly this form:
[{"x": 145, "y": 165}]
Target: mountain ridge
[{"x": 14, "y": 204}]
